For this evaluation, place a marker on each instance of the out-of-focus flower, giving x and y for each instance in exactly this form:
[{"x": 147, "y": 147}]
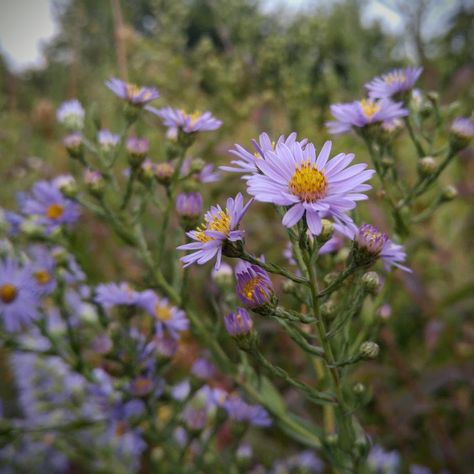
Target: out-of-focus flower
[
  {"x": 167, "y": 317},
  {"x": 14, "y": 221},
  {"x": 254, "y": 287},
  {"x": 94, "y": 182},
  {"x": 371, "y": 243},
  {"x": 362, "y": 113},
  {"x": 247, "y": 162},
  {"x": 238, "y": 410},
  {"x": 188, "y": 123},
  {"x": 417, "y": 469},
  {"x": 239, "y": 323},
  {"x": 181, "y": 390},
  {"x": 383, "y": 462},
  {"x": 313, "y": 187},
  {"x": 137, "y": 149},
  {"x": 393, "y": 83},
  {"x": 306, "y": 462},
  {"x": 18, "y": 295},
  {"x": 42, "y": 269},
  {"x": 164, "y": 172},
  {"x": 189, "y": 205},
  {"x": 48, "y": 206},
  {"x": 219, "y": 226},
  {"x": 206, "y": 173},
  {"x": 73, "y": 144},
  {"x": 107, "y": 140},
  {"x": 203, "y": 369},
  {"x": 133, "y": 94},
  {"x": 113, "y": 294},
  {"x": 462, "y": 130},
  {"x": 71, "y": 114}
]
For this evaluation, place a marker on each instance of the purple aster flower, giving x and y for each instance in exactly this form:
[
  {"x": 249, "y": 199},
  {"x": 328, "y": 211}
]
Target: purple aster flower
[
  {"x": 107, "y": 140},
  {"x": 42, "y": 269},
  {"x": 382, "y": 461},
  {"x": 362, "y": 113},
  {"x": 132, "y": 93},
  {"x": 195, "y": 418},
  {"x": 239, "y": 323},
  {"x": 49, "y": 206},
  {"x": 393, "y": 83},
  {"x": 181, "y": 390},
  {"x": 203, "y": 369},
  {"x": 188, "y": 123},
  {"x": 167, "y": 317},
  {"x": 18, "y": 295},
  {"x": 313, "y": 187},
  {"x": 375, "y": 243},
  {"x": 218, "y": 227},
  {"x": 247, "y": 161},
  {"x": 189, "y": 205},
  {"x": 14, "y": 221},
  {"x": 462, "y": 130},
  {"x": 240, "y": 411},
  {"x": 137, "y": 146},
  {"x": 73, "y": 143},
  {"x": 254, "y": 287},
  {"x": 209, "y": 174},
  {"x": 71, "y": 114},
  {"x": 166, "y": 346},
  {"x": 112, "y": 294}
]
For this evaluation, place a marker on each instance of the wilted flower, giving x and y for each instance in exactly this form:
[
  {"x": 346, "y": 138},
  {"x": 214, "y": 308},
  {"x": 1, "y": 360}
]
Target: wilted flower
[
  {"x": 189, "y": 205},
  {"x": 219, "y": 226},
  {"x": 313, "y": 187},
  {"x": 107, "y": 140},
  {"x": 360, "y": 114},
  {"x": 18, "y": 295},
  {"x": 167, "y": 317},
  {"x": 248, "y": 161},
  {"x": 239, "y": 323},
  {"x": 48, "y": 205},
  {"x": 71, "y": 114},
  {"x": 133, "y": 94},
  {"x": 113, "y": 294},
  {"x": 393, "y": 83},
  {"x": 188, "y": 123},
  {"x": 371, "y": 243},
  {"x": 254, "y": 287}
]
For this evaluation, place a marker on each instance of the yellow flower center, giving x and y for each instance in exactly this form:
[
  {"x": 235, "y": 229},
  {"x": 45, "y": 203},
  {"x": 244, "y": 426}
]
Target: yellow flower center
[
  {"x": 249, "y": 290},
  {"x": 55, "y": 211},
  {"x": 369, "y": 107},
  {"x": 163, "y": 312},
  {"x": 308, "y": 183},
  {"x": 8, "y": 293},
  {"x": 219, "y": 222},
  {"x": 394, "y": 77},
  {"x": 42, "y": 277}
]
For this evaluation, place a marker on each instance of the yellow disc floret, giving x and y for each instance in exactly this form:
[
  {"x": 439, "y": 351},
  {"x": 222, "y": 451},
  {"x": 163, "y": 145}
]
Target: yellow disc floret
[
  {"x": 308, "y": 183},
  {"x": 8, "y": 293},
  {"x": 397, "y": 76},
  {"x": 219, "y": 221},
  {"x": 42, "y": 277},
  {"x": 251, "y": 286},
  {"x": 369, "y": 107},
  {"x": 54, "y": 211},
  {"x": 163, "y": 312}
]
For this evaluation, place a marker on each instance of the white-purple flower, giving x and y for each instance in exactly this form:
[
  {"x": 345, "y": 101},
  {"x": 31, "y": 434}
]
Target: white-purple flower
[
  {"x": 107, "y": 140},
  {"x": 187, "y": 122},
  {"x": 167, "y": 317},
  {"x": 49, "y": 206},
  {"x": 18, "y": 295},
  {"x": 311, "y": 187},
  {"x": 135, "y": 95},
  {"x": 71, "y": 114},
  {"x": 218, "y": 227},
  {"x": 394, "y": 82},
  {"x": 247, "y": 162},
  {"x": 462, "y": 128},
  {"x": 362, "y": 113}
]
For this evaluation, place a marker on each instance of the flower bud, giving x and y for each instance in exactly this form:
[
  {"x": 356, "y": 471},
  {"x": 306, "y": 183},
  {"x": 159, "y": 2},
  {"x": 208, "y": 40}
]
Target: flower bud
[
  {"x": 448, "y": 193},
  {"x": 224, "y": 276},
  {"x": 332, "y": 439},
  {"x": 67, "y": 185},
  {"x": 369, "y": 350},
  {"x": 94, "y": 182},
  {"x": 326, "y": 231},
  {"x": 330, "y": 278},
  {"x": 368, "y": 243},
  {"x": 146, "y": 172},
  {"x": 427, "y": 166},
  {"x": 239, "y": 325},
  {"x": 73, "y": 144},
  {"x": 163, "y": 172},
  {"x": 462, "y": 130},
  {"x": 328, "y": 310},
  {"x": 371, "y": 282},
  {"x": 197, "y": 165},
  {"x": 71, "y": 114},
  {"x": 359, "y": 389},
  {"x": 189, "y": 208},
  {"x": 137, "y": 149},
  {"x": 107, "y": 140},
  {"x": 433, "y": 97}
]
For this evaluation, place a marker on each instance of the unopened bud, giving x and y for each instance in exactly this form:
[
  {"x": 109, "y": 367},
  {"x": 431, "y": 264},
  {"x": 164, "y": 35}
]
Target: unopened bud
[
  {"x": 197, "y": 165},
  {"x": 163, "y": 172},
  {"x": 73, "y": 144},
  {"x": 67, "y": 185},
  {"x": 449, "y": 192},
  {"x": 326, "y": 231},
  {"x": 427, "y": 166},
  {"x": 433, "y": 97},
  {"x": 359, "y": 388},
  {"x": 289, "y": 286},
  {"x": 330, "y": 278},
  {"x": 371, "y": 282},
  {"x": 369, "y": 350},
  {"x": 328, "y": 309},
  {"x": 224, "y": 276},
  {"x": 94, "y": 182},
  {"x": 137, "y": 149},
  {"x": 332, "y": 439}
]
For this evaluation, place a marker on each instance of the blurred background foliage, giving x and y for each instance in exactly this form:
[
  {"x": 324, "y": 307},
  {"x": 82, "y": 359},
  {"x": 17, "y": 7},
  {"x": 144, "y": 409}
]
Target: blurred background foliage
[{"x": 279, "y": 71}]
